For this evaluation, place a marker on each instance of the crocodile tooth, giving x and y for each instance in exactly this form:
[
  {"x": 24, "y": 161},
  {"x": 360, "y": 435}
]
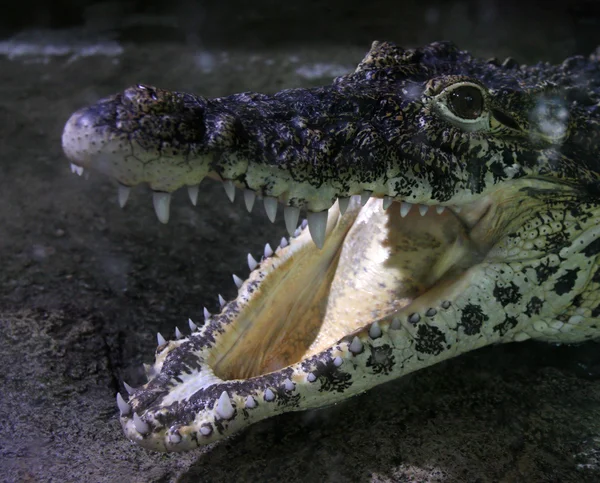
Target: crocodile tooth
[
  {"x": 337, "y": 362},
  {"x": 297, "y": 233},
  {"x": 374, "y": 331},
  {"x": 439, "y": 209},
  {"x": 405, "y": 208},
  {"x": 317, "y": 223},
  {"x": 387, "y": 201},
  {"x": 271, "y": 207},
  {"x": 124, "y": 407},
  {"x": 288, "y": 385},
  {"x": 396, "y": 324},
  {"x": 456, "y": 209},
  {"x": 141, "y": 426},
  {"x": 268, "y": 251},
  {"x": 229, "y": 189},
  {"x": 343, "y": 204},
  {"x": 304, "y": 224},
  {"x": 76, "y": 169},
  {"x": 283, "y": 243},
  {"x": 149, "y": 371},
  {"x": 269, "y": 395},
  {"x": 356, "y": 346},
  {"x": 206, "y": 314},
  {"x": 364, "y": 197},
  {"x": 193, "y": 326},
  {"x": 423, "y": 209},
  {"x": 291, "y": 215},
  {"x": 178, "y": 334},
  {"x": 238, "y": 281},
  {"x": 249, "y": 199},
  {"x": 223, "y": 407},
  {"x": 311, "y": 377},
  {"x": 123, "y": 195},
  {"x": 128, "y": 388},
  {"x": 222, "y": 301},
  {"x": 250, "y": 402},
  {"x": 252, "y": 263},
  {"x": 193, "y": 193},
  {"x": 160, "y": 339},
  {"x": 206, "y": 430},
  {"x": 162, "y": 203}
]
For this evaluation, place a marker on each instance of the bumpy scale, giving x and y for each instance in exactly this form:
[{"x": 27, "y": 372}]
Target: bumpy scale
[{"x": 501, "y": 161}]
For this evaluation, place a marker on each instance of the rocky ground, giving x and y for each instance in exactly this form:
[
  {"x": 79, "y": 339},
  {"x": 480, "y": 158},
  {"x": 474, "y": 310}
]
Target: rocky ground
[{"x": 85, "y": 286}]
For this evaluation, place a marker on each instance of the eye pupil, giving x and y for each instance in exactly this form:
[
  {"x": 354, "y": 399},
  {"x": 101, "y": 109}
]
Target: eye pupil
[{"x": 466, "y": 102}]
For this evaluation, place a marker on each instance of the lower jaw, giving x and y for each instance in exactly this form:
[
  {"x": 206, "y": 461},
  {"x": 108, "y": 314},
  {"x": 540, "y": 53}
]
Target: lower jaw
[{"x": 245, "y": 365}]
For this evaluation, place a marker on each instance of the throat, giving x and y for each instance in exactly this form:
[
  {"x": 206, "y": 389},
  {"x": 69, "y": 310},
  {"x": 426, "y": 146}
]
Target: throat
[{"x": 375, "y": 262}]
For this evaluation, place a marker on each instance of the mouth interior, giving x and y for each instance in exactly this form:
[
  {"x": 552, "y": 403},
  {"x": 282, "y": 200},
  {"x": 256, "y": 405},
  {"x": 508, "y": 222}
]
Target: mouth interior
[{"x": 374, "y": 263}]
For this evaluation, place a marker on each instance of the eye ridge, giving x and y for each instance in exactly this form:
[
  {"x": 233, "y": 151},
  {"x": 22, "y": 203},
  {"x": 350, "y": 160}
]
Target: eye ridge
[{"x": 466, "y": 102}]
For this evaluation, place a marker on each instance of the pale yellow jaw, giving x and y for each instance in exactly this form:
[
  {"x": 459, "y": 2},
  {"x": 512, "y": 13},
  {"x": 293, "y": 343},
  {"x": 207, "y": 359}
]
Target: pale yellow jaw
[{"x": 374, "y": 262}]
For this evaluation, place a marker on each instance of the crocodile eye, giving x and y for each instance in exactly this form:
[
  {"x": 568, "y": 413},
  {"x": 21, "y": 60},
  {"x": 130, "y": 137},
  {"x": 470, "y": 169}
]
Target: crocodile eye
[
  {"x": 463, "y": 104},
  {"x": 466, "y": 102}
]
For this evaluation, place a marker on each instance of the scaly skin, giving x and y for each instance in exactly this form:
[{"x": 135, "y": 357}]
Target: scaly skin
[{"x": 508, "y": 153}]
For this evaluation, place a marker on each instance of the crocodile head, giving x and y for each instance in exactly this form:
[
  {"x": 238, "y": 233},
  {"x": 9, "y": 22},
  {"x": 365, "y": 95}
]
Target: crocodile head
[{"x": 451, "y": 203}]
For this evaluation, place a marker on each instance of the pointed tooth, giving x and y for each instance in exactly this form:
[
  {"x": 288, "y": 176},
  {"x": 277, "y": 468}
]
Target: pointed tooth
[
  {"x": 396, "y": 324},
  {"x": 387, "y": 201},
  {"x": 317, "y": 223},
  {"x": 178, "y": 334},
  {"x": 356, "y": 346},
  {"x": 206, "y": 314},
  {"x": 343, "y": 204},
  {"x": 297, "y": 232},
  {"x": 304, "y": 223},
  {"x": 289, "y": 385},
  {"x": 130, "y": 390},
  {"x": 238, "y": 281},
  {"x": 141, "y": 426},
  {"x": 160, "y": 339},
  {"x": 193, "y": 327},
  {"x": 223, "y": 407},
  {"x": 222, "y": 301},
  {"x": 250, "y": 402},
  {"x": 271, "y": 207},
  {"x": 269, "y": 395},
  {"x": 252, "y": 264},
  {"x": 162, "y": 202},
  {"x": 283, "y": 243},
  {"x": 123, "y": 195},
  {"x": 193, "y": 193},
  {"x": 268, "y": 251},
  {"x": 291, "y": 215},
  {"x": 149, "y": 371},
  {"x": 439, "y": 209},
  {"x": 404, "y": 208},
  {"x": 124, "y": 407},
  {"x": 76, "y": 169},
  {"x": 249, "y": 199},
  {"x": 374, "y": 331},
  {"x": 229, "y": 189},
  {"x": 456, "y": 209},
  {"x": 364, "y": 197},
  {"x": 423, "y": 209}
]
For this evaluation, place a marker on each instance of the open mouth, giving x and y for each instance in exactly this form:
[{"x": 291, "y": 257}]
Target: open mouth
[{"x": 309, "y": 320}]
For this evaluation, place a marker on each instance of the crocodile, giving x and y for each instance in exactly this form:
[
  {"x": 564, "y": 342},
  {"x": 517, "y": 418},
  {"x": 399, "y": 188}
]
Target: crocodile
[{"x": 451, "y": 203}]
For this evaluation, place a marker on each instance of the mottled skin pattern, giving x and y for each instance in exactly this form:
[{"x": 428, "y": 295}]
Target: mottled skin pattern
[{"x": 513, "y": 257}]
